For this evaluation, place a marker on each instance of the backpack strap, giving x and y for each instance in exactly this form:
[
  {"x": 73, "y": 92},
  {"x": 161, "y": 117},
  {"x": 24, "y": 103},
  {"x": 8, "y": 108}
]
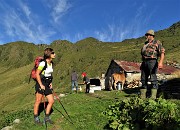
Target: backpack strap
[{"x": 45, "y": 65}]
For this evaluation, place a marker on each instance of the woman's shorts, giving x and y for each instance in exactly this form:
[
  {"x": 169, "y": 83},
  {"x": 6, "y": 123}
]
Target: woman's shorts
[{"x": 46, "y": 82}]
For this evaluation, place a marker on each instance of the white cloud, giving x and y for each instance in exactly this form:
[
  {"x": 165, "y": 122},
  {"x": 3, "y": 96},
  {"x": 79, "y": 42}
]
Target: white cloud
[
  {"x": 118, "y": 31},
  {"x": 112, "y": 33},
  {"x": 100, "y": 35},
  {"x": 25, "y": 9},
  {"x": 78, "y": 36},
  {"x": 59, "y": 9},
  {"x": 19, "y": 23},
  {"x": 142, "y": 20}
]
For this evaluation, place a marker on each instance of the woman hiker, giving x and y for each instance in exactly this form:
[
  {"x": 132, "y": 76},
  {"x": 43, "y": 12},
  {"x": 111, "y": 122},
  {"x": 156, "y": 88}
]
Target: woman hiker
[{"x": 43, "y": 85}]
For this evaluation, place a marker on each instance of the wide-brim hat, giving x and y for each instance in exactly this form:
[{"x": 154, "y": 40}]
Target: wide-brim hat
[{"x": 150, "y": 32}]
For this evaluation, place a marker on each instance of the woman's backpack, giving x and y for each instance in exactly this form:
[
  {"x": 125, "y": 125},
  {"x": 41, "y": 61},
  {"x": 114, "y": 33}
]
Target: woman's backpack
[{"x": 36, "y": 64}]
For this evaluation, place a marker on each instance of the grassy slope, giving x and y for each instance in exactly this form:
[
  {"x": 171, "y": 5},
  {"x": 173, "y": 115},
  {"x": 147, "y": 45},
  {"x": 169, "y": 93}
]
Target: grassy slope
[
  {"x": 14, "y": 86},
  {"x": 85, "y": 111}
]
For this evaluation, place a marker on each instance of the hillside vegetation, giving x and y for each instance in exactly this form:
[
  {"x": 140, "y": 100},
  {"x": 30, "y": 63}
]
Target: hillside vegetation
[{"x": 89, "y": 55}]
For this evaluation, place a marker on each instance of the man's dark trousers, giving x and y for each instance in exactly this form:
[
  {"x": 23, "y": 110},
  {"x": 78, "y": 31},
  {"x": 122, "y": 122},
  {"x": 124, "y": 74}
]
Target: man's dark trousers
[{"x": 149, "y": 68}]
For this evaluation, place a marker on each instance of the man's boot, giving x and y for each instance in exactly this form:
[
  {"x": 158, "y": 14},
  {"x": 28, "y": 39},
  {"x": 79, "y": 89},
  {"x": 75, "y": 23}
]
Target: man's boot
[
  {"x": 143, "y": 93},
  {"x": 153, "y": 93}
]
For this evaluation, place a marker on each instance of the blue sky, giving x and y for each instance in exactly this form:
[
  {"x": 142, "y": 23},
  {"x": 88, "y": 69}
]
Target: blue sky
[{"x": 43, "y": 21}]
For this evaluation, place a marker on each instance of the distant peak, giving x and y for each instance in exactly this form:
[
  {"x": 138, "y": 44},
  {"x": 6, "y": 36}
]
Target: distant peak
[{"x": 90, "y": 39}]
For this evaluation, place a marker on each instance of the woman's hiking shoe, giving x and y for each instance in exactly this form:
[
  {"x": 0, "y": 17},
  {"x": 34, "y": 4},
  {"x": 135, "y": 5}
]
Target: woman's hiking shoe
[
  {"x": 47, "y": 119},
  {"x": 37, "y": 121}
]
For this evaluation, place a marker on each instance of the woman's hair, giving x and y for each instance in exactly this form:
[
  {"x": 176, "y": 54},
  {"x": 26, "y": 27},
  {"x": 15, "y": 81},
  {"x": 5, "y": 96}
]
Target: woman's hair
[{"x": 47, "y": 53}]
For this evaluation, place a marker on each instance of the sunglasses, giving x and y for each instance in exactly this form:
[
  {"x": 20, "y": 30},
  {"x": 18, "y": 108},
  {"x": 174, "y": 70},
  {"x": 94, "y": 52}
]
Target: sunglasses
[
  {"x": 148, "y": 35},
  {"x": 52, "y": 52}
]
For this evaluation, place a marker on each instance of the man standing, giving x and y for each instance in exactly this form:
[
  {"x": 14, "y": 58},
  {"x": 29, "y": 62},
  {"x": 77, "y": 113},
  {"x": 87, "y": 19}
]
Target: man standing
[
  {"x": 150, "y": 52},
  {"x": 74, "y": 80}
]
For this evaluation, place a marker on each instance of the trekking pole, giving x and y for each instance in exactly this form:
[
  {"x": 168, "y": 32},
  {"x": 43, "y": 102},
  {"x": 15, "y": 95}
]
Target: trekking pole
[
  {"x": 63, "y": 115},
  {"x": 43, "y": 98},
  {"x": 62, "y": 105}
]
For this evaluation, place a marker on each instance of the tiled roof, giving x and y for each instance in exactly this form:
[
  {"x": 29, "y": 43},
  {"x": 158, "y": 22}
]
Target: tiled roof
[{"x": 135, "y": 67}]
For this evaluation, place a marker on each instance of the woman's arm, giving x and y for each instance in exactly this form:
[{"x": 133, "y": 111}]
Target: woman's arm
[{"x": 38, "y": 78}]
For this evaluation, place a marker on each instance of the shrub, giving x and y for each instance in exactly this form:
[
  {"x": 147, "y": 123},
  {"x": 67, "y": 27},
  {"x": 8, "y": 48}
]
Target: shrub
[{"x": 138, "y": 114}]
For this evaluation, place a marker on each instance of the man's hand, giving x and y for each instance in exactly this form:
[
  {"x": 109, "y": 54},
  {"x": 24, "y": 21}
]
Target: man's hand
[{"x": 160, "y": 65}]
